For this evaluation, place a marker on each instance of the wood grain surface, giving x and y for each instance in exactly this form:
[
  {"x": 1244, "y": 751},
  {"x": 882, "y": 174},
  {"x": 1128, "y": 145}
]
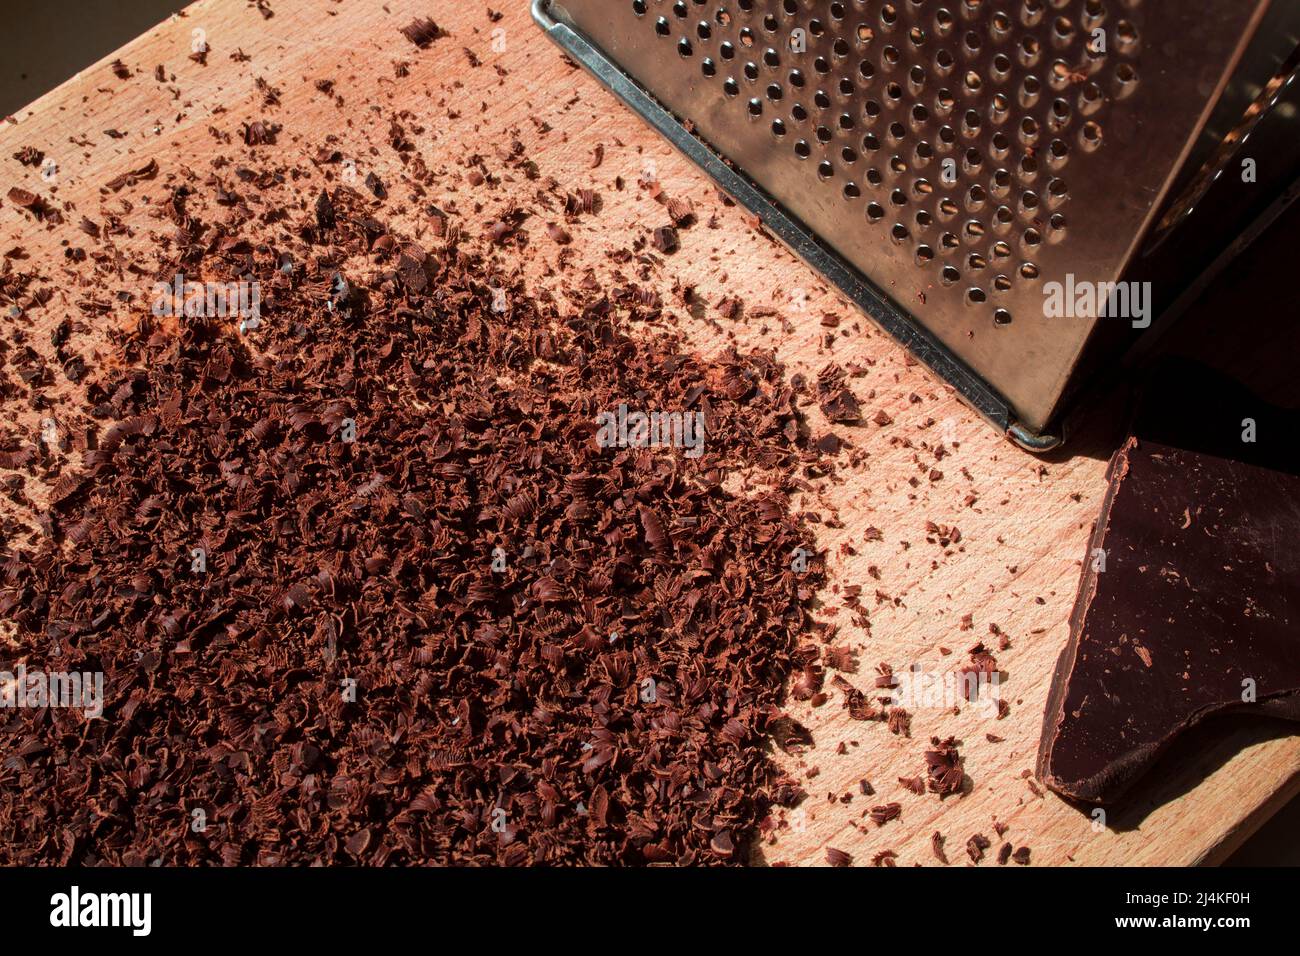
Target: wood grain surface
[{"x": 491, "y": 92}]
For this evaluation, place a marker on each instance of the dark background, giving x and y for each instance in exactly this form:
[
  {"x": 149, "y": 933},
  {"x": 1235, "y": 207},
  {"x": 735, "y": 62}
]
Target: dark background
[{"x": 44, "y": 42}]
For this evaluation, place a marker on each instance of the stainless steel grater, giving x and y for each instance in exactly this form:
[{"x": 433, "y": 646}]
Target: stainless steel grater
[{"x": 943, "y": 161}]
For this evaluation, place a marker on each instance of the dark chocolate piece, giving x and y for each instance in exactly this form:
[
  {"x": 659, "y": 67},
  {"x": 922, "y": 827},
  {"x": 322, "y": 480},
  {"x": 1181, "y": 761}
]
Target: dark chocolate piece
[{"x": 1189, "y": 604}]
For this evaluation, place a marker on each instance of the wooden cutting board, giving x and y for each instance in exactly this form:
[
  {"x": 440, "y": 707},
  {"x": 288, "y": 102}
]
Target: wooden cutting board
[{"x": 493, "y": 86}]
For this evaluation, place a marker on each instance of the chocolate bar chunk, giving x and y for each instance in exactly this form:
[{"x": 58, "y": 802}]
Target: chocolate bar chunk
[{"x": 1190, "y": 600}]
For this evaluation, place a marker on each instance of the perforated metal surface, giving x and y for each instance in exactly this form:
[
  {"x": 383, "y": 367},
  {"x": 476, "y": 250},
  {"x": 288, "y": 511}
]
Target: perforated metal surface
[{"x": 959, "y": 153}]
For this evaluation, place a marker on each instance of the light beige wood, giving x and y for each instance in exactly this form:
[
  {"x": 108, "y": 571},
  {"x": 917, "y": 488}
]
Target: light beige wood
[{"x": 1022, "y": 537}]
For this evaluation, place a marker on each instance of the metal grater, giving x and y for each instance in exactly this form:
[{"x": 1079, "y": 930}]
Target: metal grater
[{"x": 942, "y": 161}]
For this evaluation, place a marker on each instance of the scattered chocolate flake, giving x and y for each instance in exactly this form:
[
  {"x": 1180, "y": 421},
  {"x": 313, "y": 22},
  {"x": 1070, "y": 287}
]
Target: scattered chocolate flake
[
  {"x": 1021, "y": 856},
  {"x": 838, "y": 857},
  {"x": 841, "y": 406},
  {"x": 665, "y": 240},
  {"x": 976, "y": 846},
  {"x": 29, "y": 156},
  {"x": 422, "y": 31},
  {"x": 885, "y": 812},
  {"x": 884, "y": 858},
  {"x": 936, "y": 847},
  {"x": 944, "y": 766}
]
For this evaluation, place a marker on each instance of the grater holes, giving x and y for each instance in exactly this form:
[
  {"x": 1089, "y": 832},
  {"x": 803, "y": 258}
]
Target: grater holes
[
  {"x": 949, "y": 241},
  {"x": 824, "y": 135},
  {"x": 976, "y": 296},
  {"x": 837, "y": 11},
  {"x": 848, "y": 156},
  {"x": 846, "y": 122},
  {"x": 684, "y": 48},
  {"x": 871, "y": 109},
  {"x": 821, "y": 100},
  {"x": 703, "y": 30},
  {"x": 1002, "y": 251},
  {"x": 662, "y": 27},
  {"x": 769, "y": 24},
  {"x": 1029, "y": 271},
  {"x": 639, "y": 7},
  {"x": 924, "y": 255},
  {"x": 802, "y": 149},
  {"x": 851, "y": 191},
  {"x": 755, "y": 107},
  {"x": 1029, "y": 52},
  {"x": 778, "y": 127},
  {"x": 822, "y": 65},
  {"x": 1126, "y": 36},
  {"x": 874, "y": 177},
  {"x": 775, "y": 92},
  {"x": 747, "y": 37},
  {"x": 1001, "y": 284},
  {"x": 1001, "y": 317},
  {"x": 708, "y": 67},
  {"x": 799, "y": 113},
  {"x": 899, "y": 233},
  {"x": 771, "y": 59},
  {"x": 846, "y": 87},
  {"x": 944, "y": 21},
  {"x": 679, "y": 9},
  {"x": 889, "y": 15},
  {"x": 731, "y": 87},
  {"x": 797, "y": 79},
  {"x": 944, "y": 62},
  {"x": 1125, "y": 80},
  {"x": 825, "y": 169},
  {"x": 841, "y": 48},
  {"x": 1031, "y": 12},
  {"x": 723, "y": 17},
  {"x": 949, "y": 275},
  {"x": 751, "y": 72},
  {"x": 1090, "y": 136},
  {"x": 727, "y": 50},
  {"x": 875, "y": 212}
]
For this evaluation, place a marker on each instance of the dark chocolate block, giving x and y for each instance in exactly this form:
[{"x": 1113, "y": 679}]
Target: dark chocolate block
[{"x": 1198, "y": 604}]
